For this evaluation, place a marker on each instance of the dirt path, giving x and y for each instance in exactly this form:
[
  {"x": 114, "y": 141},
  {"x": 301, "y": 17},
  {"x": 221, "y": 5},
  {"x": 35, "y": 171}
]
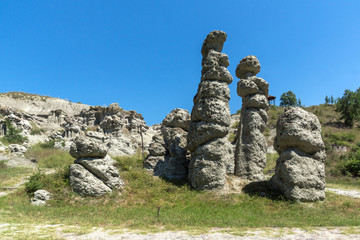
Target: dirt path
[
  {"x": 253, "y": 234},
  {"x": 349, "y": 193},
  {"x": 13, "y": 231}
]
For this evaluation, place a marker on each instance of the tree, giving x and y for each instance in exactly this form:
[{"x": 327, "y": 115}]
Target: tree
[
  {"x": 349, "y": 106},
  {"x": 327, "y": 100},
  {"x": 299, "y": 102},
  {"x": 288, "y": 99},
  {"x": 332, "y": 100}
]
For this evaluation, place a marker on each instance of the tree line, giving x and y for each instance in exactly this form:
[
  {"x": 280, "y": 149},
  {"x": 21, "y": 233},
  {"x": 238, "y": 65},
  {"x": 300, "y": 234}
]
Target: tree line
[{"x": 348, "y": 105}]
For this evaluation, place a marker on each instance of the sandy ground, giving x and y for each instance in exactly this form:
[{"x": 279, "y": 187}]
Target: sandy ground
[
  {"x": 10, "y": 231},
  {"x": 253, "y": 234}
]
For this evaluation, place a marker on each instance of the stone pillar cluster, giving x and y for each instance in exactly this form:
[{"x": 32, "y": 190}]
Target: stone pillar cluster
[
  {"x": 300, "y": 170},
  {"x": 250, "y": 153},
  {"x": 210, "y": 118},
  {"x": 168, "y": 156}
]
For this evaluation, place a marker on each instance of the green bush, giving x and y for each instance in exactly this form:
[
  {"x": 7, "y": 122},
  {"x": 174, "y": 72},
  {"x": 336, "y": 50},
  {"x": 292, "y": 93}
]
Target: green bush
[
  {"x": 351, "y": 165},
  {"x": 35, "y": 183},
  {"x": 2, "y": 164},
  {"x": 48, "y": 144},
  {"x": 13, "y": 134},
  {"x": 340, "y": 139}
]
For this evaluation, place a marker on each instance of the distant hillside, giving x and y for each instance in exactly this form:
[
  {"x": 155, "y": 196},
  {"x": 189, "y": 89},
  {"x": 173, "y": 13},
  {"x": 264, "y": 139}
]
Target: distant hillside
[{"x": 39, "y": 105}]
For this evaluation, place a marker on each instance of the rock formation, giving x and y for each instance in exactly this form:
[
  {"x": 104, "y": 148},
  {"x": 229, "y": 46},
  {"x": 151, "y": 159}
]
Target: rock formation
[
  {"x": 300, "y": 171},
  {"x": 210, "y": 118},
  {"x": 40, "y": 197},
  {"x": 250, "y": 153},
  {"x": 42, "y": 118},
  {"x": 168, "y": 156},
  {"x": 93, "y": 172}
]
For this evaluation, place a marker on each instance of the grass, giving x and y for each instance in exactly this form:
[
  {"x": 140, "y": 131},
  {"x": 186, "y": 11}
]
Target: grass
[
  {"x": 181, "y": 207},
  {"x": 11, "y": 175},
  {"x": 270, "y": 161},
  {"x": 48, "y": 157}
]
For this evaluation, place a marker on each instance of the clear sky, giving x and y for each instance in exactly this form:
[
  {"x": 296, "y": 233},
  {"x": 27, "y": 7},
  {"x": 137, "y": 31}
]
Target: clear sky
[{"x": 145, "y": 55}]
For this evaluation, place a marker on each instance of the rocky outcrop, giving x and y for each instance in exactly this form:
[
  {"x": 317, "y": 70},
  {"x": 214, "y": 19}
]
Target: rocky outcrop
[
  {"x": 41, "y": 118},
  {"x": 251, "y": 146},
  {"x": 300, "y": 171},
  {"x": 210, "y": 118},
  {"x": 40, "y": 197},
  {"x": 93, "y": 172},
  {"x": 168, "y": 156}
]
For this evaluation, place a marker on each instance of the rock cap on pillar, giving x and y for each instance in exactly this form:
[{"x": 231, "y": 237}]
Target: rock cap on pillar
[{"x": 248, "y": 64}]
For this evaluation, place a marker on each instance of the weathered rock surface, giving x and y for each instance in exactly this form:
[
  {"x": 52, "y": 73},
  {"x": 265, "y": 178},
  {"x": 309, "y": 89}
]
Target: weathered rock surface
[
  {"x": 300, "y": 171},
  {"x": 251, "y": 146},
  {"x": 41, "y": 118},
  {"x": 168, "y": 156},
  {"x": 83, "y": 147},
  {"x": 210, "y": 118},
  {"x": 103, "y": 169},
  {"x": 40, "y": 197},
  {"x": 93, "y": 172},
  {"x": 85, "y": 183}
]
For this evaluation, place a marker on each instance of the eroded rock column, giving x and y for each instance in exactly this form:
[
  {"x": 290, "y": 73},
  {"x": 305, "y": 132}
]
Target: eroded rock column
[
  {"x": 168, "y": 156},
  {"x": 250, "y": 154},
  {"x": 210, "y": 118},
  {"x": 300, "y": 170}
]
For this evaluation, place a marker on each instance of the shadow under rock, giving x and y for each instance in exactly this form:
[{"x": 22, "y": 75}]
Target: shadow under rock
[{"x": 263, "y": 189}]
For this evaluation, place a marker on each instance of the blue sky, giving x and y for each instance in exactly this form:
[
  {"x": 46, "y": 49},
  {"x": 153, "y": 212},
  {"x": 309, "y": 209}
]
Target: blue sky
[{"x": 145, "y": 55}]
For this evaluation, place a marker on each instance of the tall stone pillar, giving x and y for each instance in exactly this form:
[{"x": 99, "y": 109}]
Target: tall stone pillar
[
  {"x": 250, "y": 153},
  {"x": 210, "y": 118}
]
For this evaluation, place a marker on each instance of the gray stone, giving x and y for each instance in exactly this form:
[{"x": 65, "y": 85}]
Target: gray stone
[
  {"x": 214, "y": 89},
  {"x": 215, "y": 67},
  {"x": 40, "y": 197},
  {"x": 168, "y": 154},
  {"x": 300, "y": 129},
  {"x": 103, "y": 169},
  {"x": 215, "y": 41},
  {"x": 251, "y": 146},
  {"x": 212, "y": 110},
  {"x": 249, "y": 64},
  {"x": 300, "y": 170},
  {"x": 203, "y": 132},
  {"x": 210, "y": 119},
  {"x": 178, "y": 118},
  {"x": 83, "y": 147},
  {"x": 157, "y": 149},
  {"x": 17, "y": 149},
  {"x": 85, "y": 183},
  {"x": 207, "y": 169}
]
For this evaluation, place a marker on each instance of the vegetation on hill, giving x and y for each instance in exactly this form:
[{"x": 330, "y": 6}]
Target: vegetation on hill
[{"x": 12, "y": 134}]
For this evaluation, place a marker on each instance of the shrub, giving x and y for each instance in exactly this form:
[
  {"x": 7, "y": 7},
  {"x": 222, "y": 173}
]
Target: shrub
[
  {"x": 2, "y": 164},
  {"x": 35, "y": 183},
  {"x": 48, "y": 144},
  {"x": 351, "y": 165},
  {"x": 13, "y": 134}
]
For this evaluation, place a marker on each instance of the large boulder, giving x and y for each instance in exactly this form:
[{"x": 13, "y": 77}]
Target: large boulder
[
  {"x": 299, "y": 171},
  {"x": 85, "y": 183},
  {"x": 83, "y": 147},
  {"x": 93, "y": 173}
]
